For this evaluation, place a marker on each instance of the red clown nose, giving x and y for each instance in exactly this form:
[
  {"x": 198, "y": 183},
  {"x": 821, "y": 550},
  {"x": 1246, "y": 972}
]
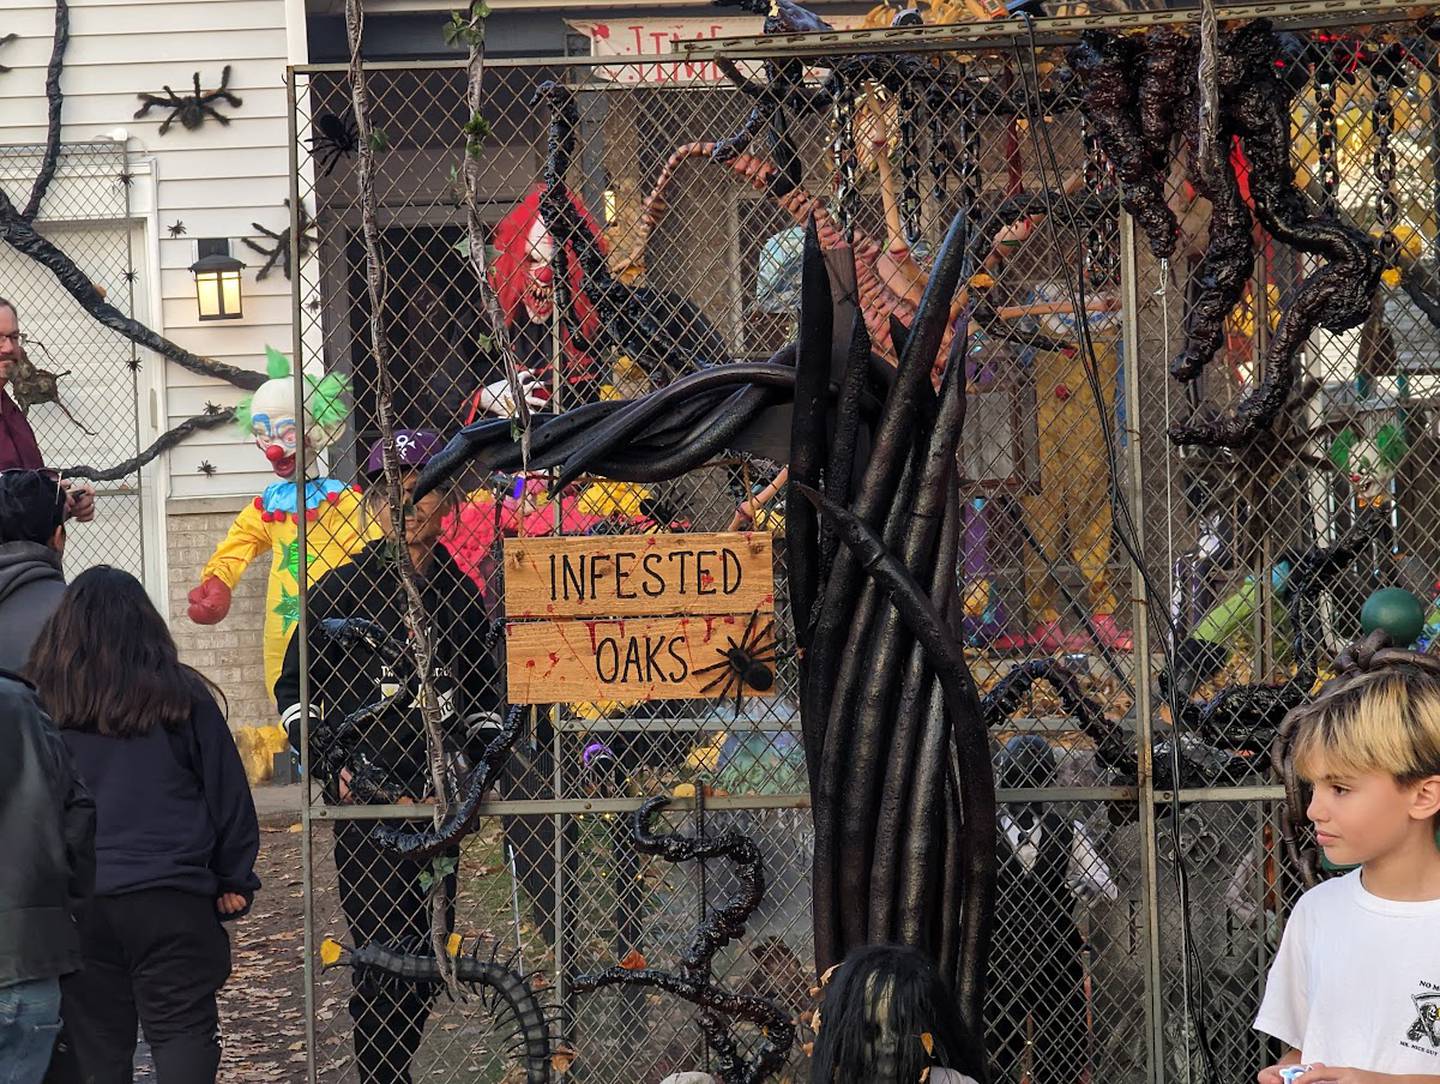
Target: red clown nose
[
  {"x": 545, "y": 275},
  {"x": 274, "y": 453}
]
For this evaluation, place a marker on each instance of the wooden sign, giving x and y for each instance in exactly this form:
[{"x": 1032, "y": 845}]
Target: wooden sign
[
  {"x": 638, "y": 575},
  {"x": 637, "y": 658},
  {"x": 645, "y": 617}
]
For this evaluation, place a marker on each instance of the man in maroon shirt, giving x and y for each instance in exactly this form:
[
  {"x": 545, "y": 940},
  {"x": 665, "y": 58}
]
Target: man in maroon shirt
[{"x": 18, "y": 449}]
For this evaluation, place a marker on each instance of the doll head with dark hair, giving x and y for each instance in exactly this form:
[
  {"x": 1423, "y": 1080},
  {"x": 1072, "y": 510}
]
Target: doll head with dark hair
[{"x": 886, "y": 1016}]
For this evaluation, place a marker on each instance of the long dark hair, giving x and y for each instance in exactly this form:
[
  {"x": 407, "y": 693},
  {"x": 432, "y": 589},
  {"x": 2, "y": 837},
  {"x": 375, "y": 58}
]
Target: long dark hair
[
  {"x": 877, "y": 1007},
  {"x": 106, "y": 662}
]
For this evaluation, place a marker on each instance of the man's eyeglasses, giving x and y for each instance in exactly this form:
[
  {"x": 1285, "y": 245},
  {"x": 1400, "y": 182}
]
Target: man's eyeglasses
[{"x": 16, "y": 338}]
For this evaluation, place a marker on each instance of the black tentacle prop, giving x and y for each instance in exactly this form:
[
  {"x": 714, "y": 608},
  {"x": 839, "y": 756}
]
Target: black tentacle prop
[
  {"x": 336, "y": 745},
  {"x": 507, "y": 993},
  {"x": 693, "y": 982}
]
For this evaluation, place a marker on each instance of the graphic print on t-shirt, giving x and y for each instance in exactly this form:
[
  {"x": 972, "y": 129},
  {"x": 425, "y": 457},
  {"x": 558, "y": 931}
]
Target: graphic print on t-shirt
[{"x": 1427, "y": 1020}]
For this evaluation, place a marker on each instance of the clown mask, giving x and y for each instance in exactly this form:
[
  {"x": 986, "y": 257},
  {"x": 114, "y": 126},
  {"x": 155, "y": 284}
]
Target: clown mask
[
  {"x": 539, "y": 296},
  {"x": 269, "y": 414}
]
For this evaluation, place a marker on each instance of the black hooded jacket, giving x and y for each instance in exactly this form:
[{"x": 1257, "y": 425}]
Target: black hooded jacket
[
  {"x": 31, "y": 584},
  {"x": 47, "y": 835},
  {"x": 346, "y": 677}
]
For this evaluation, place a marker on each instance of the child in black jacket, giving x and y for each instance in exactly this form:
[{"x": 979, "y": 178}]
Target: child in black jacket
[{"x": 176, "y": 832}]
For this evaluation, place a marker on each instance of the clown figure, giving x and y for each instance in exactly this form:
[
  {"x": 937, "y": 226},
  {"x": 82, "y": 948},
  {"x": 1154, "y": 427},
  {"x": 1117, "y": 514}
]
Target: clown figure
[{"x": 335, "y": 528}]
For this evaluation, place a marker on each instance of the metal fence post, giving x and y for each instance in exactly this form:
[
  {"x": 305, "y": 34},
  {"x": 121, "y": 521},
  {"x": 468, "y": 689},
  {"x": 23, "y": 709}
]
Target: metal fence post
[{"x": 1140, "y": 623}]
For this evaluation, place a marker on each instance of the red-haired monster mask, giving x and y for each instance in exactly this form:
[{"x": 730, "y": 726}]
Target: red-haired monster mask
[{"x": 525, "y": 282}]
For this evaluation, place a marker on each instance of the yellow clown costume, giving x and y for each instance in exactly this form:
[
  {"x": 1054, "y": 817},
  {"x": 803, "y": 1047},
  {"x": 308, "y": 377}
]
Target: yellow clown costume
[
  {"x": 336, "y": 527},
  {"x": 335, "y": 530}
]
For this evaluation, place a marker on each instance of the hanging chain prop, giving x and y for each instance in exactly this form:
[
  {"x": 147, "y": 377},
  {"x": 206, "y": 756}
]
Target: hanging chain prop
[
  {"x": 1386, "y": 77},
  {"x": 1326, "y": 75},
  {"x": 847, "y": 162},
  {"x": 416, "y": 620}
]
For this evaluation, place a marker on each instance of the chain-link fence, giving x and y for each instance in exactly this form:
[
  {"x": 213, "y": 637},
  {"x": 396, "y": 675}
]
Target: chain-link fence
[
  {"x": 77, "y": 381},
  {"x": 1105, "y": 969}
]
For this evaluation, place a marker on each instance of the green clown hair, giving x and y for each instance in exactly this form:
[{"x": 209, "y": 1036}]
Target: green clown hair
[{"x": 325, "y": 395}]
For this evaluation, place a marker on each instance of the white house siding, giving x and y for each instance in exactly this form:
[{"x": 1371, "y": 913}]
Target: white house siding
[{"x": 217, "y": 179}]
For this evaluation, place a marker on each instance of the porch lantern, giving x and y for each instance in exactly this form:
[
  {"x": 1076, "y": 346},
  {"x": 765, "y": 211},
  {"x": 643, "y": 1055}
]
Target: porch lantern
[{"x": 217, "y": 280}]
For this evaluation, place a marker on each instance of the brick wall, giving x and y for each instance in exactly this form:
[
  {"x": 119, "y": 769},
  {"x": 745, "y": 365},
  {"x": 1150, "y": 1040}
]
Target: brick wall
[{"x": 230, "y": 653}]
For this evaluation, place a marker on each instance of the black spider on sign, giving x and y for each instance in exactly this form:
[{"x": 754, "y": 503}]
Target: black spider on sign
[
  {"x": 192, "y": 109},
  {"x": 335, "y": 138},
  {"x": 6, "y": 40},
  {"x": 281, "y": 252},
  {"x": 750, "y": 663}
]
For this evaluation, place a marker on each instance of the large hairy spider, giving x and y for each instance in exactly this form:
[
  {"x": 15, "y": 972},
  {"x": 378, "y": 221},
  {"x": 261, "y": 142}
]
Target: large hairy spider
[
  {"x": 281, "y": 252},
  {"x": 193, "y": 108},
  {"x": 335, "y": 138},
  {"x": 748, "y": 663}
]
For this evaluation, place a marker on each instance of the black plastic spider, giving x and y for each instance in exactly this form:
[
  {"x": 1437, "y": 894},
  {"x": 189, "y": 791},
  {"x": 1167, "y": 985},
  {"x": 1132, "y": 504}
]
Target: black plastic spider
[
  {"x": 211, "y": 409},
  {"x": 131, "y": 275},
  {"x": 6, "y": 40},
  {"x": 206, "y": 468},
  {"x": 193, "y": 108},
  {"x": 125, "y": 178},
  {"x": 176, "y": 228},
  {"x": 335, "y": 138},
  {"x": 746, "y": 664},
  {"x": 281, "y": 252}
]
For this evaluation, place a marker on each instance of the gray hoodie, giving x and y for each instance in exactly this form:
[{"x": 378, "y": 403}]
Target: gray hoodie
[{"x": 31, "y": 584}]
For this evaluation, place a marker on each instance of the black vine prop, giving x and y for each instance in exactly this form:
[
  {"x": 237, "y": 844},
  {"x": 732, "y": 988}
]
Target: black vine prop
[
  {"x": 1257, "y": 75},
  {"x": 5, "y": 40},
  {"x": 1107, "y": 65},
  {"x": 693, "y": 981},
  {"x": 1337, "y": 297},
  {"x": 192, "y": 109},
  {"x": 16, "y": 229},
  {"x": 164, "y": 443},
  {"x": 505, "y": 992},
  {"x": 666, "y": 333},
  {"x": 280, "y": 251},
  {"x": 335, "y": 745},
  {"x": 335, "y": 137}
]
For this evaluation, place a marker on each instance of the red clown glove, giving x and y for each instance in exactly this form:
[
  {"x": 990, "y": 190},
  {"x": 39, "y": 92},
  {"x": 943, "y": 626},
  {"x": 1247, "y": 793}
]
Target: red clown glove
[{"x": 210, "y": 602}]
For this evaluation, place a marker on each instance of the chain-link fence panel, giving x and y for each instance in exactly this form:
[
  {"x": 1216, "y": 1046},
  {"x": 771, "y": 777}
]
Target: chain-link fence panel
[
  {"x": 77, "y": 381},
  {"x": 1142, "y": 885}
]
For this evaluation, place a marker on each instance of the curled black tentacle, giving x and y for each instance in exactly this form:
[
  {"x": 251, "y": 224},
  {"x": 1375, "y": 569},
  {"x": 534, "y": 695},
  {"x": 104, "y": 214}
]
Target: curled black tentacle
[
  {"x": 420, "y": 846},
  {"x": 1105, "y": 64},
  {"x": 1003, "y": 699},
  {"x": 1230, "y": 254},
  {"x": 693, "y": 983},
  {"x": 507, "y": 992}
]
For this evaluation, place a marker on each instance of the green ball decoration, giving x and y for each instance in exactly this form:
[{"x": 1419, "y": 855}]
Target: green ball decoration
[{"x": 1395, "y": 610}]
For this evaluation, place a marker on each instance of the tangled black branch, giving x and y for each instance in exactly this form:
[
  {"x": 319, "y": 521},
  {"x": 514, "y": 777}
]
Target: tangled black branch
[{"x": 693, "y": 981}]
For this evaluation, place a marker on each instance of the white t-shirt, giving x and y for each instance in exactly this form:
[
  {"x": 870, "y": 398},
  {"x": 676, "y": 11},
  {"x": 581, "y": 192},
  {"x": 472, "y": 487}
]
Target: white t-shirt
[{"x": 1357, "y": 981}]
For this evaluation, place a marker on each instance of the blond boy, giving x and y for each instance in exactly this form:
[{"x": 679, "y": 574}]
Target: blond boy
[{"x": 1355, "y": 987}]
